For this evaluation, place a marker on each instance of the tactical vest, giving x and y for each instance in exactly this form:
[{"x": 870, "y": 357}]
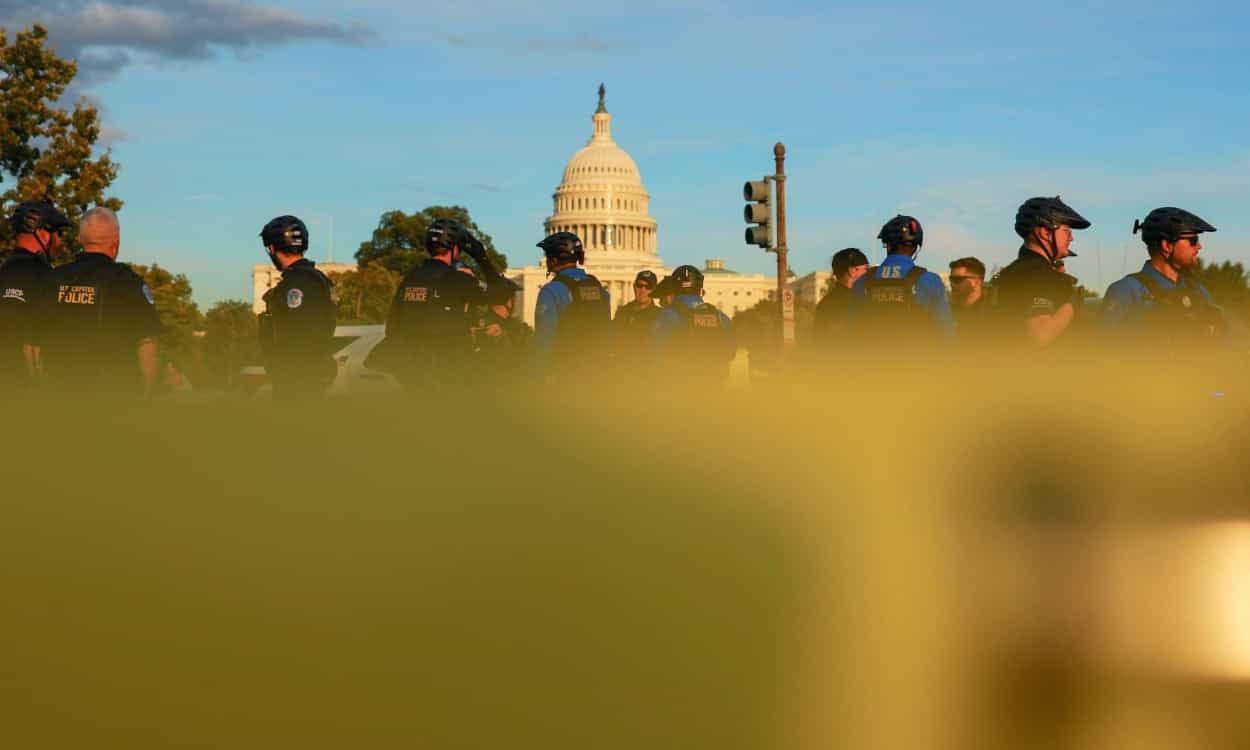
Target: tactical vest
[
  {"x": 1181, "y": 314},
  {"x": 703, "y": 341},
  {"x": 582, "y": 331},
  {"x": 891, "y": 302}
]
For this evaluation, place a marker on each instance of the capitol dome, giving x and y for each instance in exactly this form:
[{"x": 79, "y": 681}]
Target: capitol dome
[{"x": 601, "y": 198}]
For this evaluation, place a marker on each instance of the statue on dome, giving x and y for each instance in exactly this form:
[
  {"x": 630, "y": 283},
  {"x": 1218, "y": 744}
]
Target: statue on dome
[{"x": 602, "y": 106}]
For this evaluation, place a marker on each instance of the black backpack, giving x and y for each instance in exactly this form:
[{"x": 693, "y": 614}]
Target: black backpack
[{"x": 583, "y": 331}]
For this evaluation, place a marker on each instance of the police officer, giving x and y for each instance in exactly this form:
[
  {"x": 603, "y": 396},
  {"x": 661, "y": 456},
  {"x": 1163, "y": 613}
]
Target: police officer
[
  {"x": 102, "y": 318},
  {"x": 1163, "y": 303},
  {"x": 663, "y": 294},
  {"x": 23, "y": 285},
  {"x": 297, "y": 327},
  {"x": 899, "y": 299},
  {"x": 829, "y": 325},
  {"x": 631, "y": 328},
  {"x": 1033, "y": 302},
  {"x": 429, "y": 339},
  {"x": 694, "y": 341},
  {"x": 498, "y": 338},
  {"x": 968, "y": 305},
  {"x": 573, "y": 313}
]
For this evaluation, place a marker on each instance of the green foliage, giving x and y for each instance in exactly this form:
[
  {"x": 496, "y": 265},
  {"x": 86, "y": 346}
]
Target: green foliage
[
  {"x": 365, "y": 294},
  {"x": 46, "y": 150},
  {"x": 398, "y": 242},
  {"x": 1229, "y": 285},
  {"x": 179, "y": 314},
  {"x": 229, "y": 343}
]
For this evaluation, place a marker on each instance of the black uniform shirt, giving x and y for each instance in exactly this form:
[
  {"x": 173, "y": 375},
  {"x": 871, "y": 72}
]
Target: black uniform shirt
[
  {"x": 829, "y": 318},
  {"x": 23, "y": 286},
  {"x": 431, "y": 308},
  {"x": 633, "y": 327},
  {"x": 1031, "y": 286},
  {"x": 98, "y": 313},
  {"x": 298, "y": 331}
]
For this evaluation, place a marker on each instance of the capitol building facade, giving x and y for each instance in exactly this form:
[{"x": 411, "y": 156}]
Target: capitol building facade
[{"x": 602, "y": 200}]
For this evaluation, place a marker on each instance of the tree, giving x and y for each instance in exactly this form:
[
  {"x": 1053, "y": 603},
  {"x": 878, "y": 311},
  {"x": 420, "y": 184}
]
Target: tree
[
  {"x": 229, "y": 343},
  {"x": 398, "y": 243},
  {"x": 46, "y": 150},
  {"x": 365, "y": 294},
  {"x": 179, "y": 314},
  {"x": 1229, "y": 285}
]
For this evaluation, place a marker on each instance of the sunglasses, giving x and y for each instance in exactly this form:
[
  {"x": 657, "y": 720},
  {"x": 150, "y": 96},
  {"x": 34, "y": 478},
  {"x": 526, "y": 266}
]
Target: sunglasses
[
  {"x": 1192, "y": 238},
  {"x": 962, "y": 279},
  {"x": 642, "y": 286}
]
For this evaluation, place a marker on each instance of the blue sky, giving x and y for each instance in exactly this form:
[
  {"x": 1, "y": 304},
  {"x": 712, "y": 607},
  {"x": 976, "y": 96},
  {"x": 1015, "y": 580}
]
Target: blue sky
[{"x": 224, "y": 114}]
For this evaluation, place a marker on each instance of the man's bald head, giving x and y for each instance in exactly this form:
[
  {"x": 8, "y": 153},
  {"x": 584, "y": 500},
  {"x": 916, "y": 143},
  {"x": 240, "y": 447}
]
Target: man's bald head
[{"x": 99, "y": 232}]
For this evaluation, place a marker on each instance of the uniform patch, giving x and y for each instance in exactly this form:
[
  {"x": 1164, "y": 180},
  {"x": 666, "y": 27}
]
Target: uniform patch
[
  {"x": 588, "y": 294},
  {"x": 147, "y": 295},
  {"x": 67, "y": 294},
  {"x": 1186, "y": 301},
  {"x": 416, "y": 294},
  {"x": 17, "y": 294},
  {"x": 294, "y": 298}
]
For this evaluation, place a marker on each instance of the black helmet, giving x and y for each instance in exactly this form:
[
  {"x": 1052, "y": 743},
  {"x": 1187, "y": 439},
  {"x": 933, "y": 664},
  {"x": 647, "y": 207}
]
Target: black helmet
[
  {"x": 848, "y": 258},
  {"x": 563, "y": 247},
  {"x": 1050, "y": 213},
  {"x": 646, "y": 276},
  {"x": 444, "y": 234},
  {"x": 287, "y": 234},
  {"x": 664, "y": 288},
  {"x": 687, "y": 280},
  {"x": 31, "y": 216},
  {"x": 901, "y": 230},
  {"x": 1169, "y": 223}
]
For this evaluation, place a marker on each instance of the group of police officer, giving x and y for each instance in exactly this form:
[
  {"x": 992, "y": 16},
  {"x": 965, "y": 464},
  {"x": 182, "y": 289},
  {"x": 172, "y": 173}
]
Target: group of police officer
[
  {"x": 88, "y": 325},
  {"x": 1033, "y": 303},
  {"x": 91, "y": 323}
]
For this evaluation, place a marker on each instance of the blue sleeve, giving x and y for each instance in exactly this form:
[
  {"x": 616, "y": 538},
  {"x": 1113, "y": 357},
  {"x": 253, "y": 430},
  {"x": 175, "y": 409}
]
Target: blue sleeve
[
  {"x": 665, "y": 323},
  {"x": 931, "y": 294},
  {"x": 546, "y": 315},
  {"x": 1118, "y": 304}
]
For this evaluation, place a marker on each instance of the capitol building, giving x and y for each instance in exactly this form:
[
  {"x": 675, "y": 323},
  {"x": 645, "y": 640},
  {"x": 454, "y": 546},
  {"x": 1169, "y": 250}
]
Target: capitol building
[{"x": 602, "y": 200}]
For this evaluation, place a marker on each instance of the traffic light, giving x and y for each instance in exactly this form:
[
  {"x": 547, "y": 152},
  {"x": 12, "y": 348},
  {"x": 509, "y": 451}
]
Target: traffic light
[{"x": 759, "y": 212}]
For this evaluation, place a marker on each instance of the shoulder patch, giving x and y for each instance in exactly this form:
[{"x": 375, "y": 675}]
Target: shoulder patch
[
  {"x": 147, "y": 295},
  {"x": 294, "y": 298},
  {"x": 15, "y": 293}
]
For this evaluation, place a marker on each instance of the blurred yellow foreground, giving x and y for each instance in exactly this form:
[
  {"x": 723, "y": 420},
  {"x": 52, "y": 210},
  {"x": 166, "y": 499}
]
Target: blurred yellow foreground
[{"x": 933, "y": 559}]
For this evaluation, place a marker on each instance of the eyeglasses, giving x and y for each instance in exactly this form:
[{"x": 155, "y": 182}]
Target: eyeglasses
[
  {"x": 962, "y": 279},
  {"x": 1191, "y": 238}
]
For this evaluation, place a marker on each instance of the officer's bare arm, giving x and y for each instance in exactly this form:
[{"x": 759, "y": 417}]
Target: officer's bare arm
[
  {"x": 148, "y": 363},
  {"x": 1044, "y": 329},
  {"x": 34, "y": 359}
]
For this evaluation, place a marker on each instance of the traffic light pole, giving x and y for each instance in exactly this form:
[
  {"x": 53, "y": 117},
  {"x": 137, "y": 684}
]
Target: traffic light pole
[{"x": 785, "y": 297}]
